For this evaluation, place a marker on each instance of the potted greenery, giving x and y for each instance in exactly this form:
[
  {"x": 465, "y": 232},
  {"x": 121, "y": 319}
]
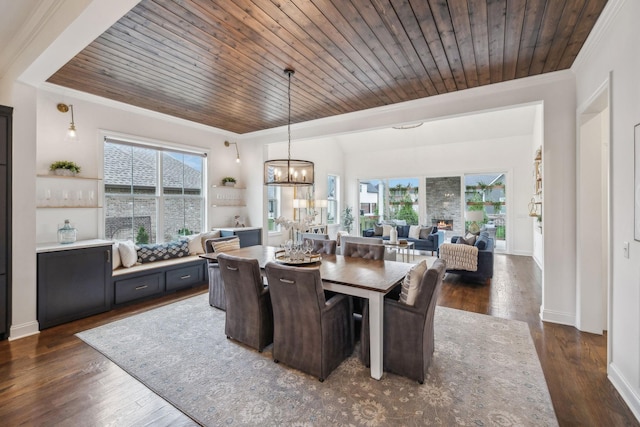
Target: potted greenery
[
  {"x": 347, "y": 219},
  {"x": 229, "y": 181},
  {"x": 64, "y": 167}
]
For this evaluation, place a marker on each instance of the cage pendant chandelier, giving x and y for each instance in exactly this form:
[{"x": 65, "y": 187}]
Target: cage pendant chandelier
[{"x": 288, "y": 172}]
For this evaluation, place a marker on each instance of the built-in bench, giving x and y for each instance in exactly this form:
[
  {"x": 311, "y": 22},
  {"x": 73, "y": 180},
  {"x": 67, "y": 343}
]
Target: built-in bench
[{"x": 154, "y": 279}]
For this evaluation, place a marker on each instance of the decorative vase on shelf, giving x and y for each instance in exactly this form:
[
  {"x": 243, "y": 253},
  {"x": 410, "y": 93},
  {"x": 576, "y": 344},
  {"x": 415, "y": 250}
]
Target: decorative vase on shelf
[
  {"x": 393, "y": 235},
  {"x": 64, "y": 172},
  {"x": 67, "y": 233},
  {"x": 230, "y": 184}
]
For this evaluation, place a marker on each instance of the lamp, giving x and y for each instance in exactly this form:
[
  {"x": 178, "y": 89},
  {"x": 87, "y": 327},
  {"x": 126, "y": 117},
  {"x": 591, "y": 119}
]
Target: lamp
[
  {"x": 474, "y": 217},
  {"x": 72, "y": 134},
  {"x": 300, "y": 204},
  {"x": 227, "y": 144},
  {"x": 288, "y": 172},
  {"x": 321, "y": 204}
]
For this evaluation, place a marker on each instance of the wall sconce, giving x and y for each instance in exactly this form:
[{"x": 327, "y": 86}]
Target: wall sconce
[
  {"x": 227, "y": 144},
  {"x": 72, "y": 133}
]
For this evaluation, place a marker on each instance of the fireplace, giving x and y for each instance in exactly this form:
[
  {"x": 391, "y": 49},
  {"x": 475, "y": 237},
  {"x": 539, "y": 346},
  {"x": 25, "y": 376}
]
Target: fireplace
[{"x": 442, "y": 224}]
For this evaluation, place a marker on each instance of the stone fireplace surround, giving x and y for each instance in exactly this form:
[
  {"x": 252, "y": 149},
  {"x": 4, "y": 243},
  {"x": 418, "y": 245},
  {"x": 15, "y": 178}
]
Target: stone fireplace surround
[{"x": 444, "y": 201}]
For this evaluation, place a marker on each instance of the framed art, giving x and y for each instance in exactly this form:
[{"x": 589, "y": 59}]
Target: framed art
[{"x": 636, "y": 185}]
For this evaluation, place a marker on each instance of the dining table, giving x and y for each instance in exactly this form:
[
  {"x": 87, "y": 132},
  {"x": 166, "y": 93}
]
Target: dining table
[{"x": 360, "y": 277}]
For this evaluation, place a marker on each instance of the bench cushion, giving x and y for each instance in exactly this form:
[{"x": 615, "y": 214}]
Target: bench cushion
[{"x": 160, "y": 251}]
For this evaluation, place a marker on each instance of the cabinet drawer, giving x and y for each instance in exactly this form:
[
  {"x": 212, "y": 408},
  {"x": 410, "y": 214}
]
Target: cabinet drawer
[
  {"x": 183, "y": 277},
  {"x": 138, "y": 287}
]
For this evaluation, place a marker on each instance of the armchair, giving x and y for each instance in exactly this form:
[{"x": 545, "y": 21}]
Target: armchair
[
  {"x": 408, "y": 329},
  {"x": 310, "y": 333},
  {"x": 249, "y": 318}
]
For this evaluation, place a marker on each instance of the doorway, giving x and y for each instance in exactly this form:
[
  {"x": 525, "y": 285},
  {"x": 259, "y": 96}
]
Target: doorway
[{"x": 593, "y": 216}]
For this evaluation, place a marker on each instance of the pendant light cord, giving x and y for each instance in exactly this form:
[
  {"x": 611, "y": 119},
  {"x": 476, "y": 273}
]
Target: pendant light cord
[{"x": 289, "y": 72}]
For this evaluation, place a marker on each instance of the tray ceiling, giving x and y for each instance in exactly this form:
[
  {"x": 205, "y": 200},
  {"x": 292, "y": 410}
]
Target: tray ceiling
[{"x": 221, "y": 62}]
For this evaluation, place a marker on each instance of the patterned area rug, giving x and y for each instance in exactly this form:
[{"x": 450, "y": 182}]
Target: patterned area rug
[{"x": 485, "y": 372}]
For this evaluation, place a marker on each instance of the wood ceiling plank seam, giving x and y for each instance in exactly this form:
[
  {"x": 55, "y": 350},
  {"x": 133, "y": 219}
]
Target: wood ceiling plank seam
[
  {"x": 309, "y": 47},
  {"x": 338, "y": 60},
  {"x": 496, "y": 12},
  {"x": 420, "y": 47},
  {"x": 566, "y": 26},
  {"x": 513, "y": 35},
  {"x": 589, "y": 16},
  {"x": 548, "y": 29},
  {"x": 349, "y": 39},
  {"x": 133, "y": 96},
  {"x": 253, "y": 64},
  {"x": 443, "y": 20},
  {"x": 534, "y": 13},
  {"x": 320, "y": 97},
  {"x": 424, "y": 15},
  {"x": 325, "y": 74},
  {"x": 218, "y": 68},
  {"x": 461, "y": 25},
  {"x": 385, "y": 26},
  {"x": 479, "y": 32},
  {"x": 179, "y": 66},
  {"x": 176, "y": 86},
  {"x": 399, "y": 24}
]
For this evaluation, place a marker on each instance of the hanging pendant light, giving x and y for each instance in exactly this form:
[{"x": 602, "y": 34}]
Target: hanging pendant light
[{"x": 288, "y": 172}]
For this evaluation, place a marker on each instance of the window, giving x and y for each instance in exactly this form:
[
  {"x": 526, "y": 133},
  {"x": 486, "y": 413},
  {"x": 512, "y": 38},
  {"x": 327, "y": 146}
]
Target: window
[
  {"x": 273, "y": 207},
  {"x": 388, "y": 200},
  {"x": 152, "y": 194},
  {"x": 333, "y": 207}
]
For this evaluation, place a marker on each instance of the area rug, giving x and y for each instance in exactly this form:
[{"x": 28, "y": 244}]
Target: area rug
[{"x": 484, "y": 372}]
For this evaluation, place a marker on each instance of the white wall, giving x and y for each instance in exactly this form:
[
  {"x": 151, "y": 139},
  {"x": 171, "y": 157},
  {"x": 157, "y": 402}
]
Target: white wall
[{"x": 613, "y": 51}]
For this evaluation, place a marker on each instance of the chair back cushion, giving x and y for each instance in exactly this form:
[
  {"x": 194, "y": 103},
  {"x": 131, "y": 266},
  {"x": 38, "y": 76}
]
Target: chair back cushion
[
  {"x": 248, "y": 308},
  {"x": 363, "y": 250},
  {"x": 324, "y": 246},
  {"x": 411, "y": 283}
]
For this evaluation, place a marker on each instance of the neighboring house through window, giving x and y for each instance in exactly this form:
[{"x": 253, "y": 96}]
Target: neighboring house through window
[
  {"x": 152, "y": 194},
  {"x": 273, "y": 206}
]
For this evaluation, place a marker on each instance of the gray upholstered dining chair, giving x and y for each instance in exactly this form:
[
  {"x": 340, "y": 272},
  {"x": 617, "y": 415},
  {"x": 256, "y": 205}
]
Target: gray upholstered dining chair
[
  {"x": 310, "y": 333},
  {"x": 363, "y": 250},
  {"x": 324, "y": 246},
  {"x": 249, "y": 318},
  {"x": 216, "y": 287},
  {"x": 314, "y": 236},
  {"x": 408, "y": 329}
]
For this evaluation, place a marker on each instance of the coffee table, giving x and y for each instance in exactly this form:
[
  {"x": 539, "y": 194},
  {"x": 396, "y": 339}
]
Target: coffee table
[{"x": 406, "y": 249}]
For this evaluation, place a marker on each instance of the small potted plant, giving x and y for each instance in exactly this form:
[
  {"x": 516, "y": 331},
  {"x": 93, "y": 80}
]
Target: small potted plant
[
  {"x": 229, "y": 181},
  {"x": 65, "y": 168}
]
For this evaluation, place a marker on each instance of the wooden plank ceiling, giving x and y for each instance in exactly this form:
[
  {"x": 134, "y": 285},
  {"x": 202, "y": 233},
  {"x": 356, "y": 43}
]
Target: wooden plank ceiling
[{"x": 221, "y": 62}]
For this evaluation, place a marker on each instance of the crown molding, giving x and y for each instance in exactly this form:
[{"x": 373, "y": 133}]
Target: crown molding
[{"x": 603, "y": 24}]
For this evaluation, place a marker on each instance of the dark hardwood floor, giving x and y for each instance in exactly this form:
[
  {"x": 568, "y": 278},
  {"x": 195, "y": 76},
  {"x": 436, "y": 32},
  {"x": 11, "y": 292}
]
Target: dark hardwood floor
[{"x": 53, "y": 378}]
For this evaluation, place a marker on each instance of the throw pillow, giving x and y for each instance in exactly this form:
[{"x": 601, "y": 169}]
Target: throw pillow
[
  {"x": 471, "y": 238},
  {"x": 377, "y": 230},
  {"x": 128, "y": 254},
  {"x": 208, "y": 235},
  {"x": 161, "y": 251},
  {"x": 195, "y": 244},
  {"x": 411, "y": 282},
  {"x": 462, "y": 241},
  {"x": 481, "y": 242},
  {"x": 226, "y": 245},
  {"x": 115, "y": 256},
  {"x": 425, "y": 232},
  {"x": 414, "y": 232},
  {"x": 386, "y": 230}
]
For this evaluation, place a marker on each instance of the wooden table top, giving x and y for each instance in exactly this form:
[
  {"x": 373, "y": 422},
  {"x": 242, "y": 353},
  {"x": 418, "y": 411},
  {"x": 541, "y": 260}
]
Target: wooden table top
[{"x": 376, "y": 275}]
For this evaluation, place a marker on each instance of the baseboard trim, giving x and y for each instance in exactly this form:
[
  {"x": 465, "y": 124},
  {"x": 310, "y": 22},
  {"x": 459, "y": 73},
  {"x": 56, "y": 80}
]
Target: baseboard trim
[
  {"x": 559, "y": 317},
  {"x": 627, "y": 393},
  {"x": 24, "y": 330}
]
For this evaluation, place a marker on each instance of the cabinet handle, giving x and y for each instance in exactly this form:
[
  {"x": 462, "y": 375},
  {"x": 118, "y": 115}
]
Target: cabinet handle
[
  {"x": 138, "y": 288},
  {"x": 185, "y": 277},
  {"x": 108, "y": 255}
]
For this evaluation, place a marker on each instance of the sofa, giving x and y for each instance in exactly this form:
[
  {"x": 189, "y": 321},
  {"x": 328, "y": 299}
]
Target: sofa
[
  {"x": 485, "y": 247},
  {"x": 429, "y": 238}
]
